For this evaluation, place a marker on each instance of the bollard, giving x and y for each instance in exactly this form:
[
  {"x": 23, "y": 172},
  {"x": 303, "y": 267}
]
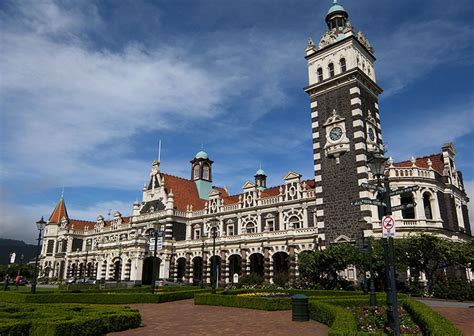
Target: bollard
[{"x": 299, "y": 307}]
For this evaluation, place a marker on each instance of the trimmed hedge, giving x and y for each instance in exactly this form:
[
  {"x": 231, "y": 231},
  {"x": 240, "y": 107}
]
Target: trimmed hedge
[
  {"x": 99, "y": 298},
  {"x": 307, "y": 292},
  {"x": 65, "y": 320},
  {"x": 430, "y": 322},
  {"x": 259, "y": 303}
]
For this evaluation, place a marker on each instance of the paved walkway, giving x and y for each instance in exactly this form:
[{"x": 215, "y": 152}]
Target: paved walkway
[
  {"x": 185, "y": 318},
  {"x": 459, "y": 313}
]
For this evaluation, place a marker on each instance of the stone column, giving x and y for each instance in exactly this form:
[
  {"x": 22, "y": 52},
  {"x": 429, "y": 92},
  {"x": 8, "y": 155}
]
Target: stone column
[
  {"x": 243, "y": 261},
  {"x": 188, "y": 273},
  {"x": 266, "y": 263},
  {"x": 224, "y": 275},
  {"x": 292, "y": 275}
]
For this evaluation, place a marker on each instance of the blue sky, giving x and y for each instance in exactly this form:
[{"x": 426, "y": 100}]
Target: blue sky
[{"x": 87, "y": 89}]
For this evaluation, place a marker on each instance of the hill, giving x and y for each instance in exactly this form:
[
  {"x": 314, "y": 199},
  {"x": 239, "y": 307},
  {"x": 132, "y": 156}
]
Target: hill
[{"x": 24, "y": 252}]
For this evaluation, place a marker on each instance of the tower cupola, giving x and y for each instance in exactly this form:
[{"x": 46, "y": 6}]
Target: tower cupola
[
  {"x": 261, "y": 179},
  {"x": 201, "y": 173},
  {"x": 337, "y": 17}
]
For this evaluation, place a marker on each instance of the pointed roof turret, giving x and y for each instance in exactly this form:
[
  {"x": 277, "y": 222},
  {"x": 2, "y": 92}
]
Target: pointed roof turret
[{"x": 59, "y": 212}]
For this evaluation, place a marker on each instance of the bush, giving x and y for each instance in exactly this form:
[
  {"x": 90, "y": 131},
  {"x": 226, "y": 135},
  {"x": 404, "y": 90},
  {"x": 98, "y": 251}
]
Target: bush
[
  {"x": 340, "y": 320},
  {"x": 259, "y": 303},
  {"x": 99, "y": 298},
  {"x": 453, "y": 289},
  {"x": 67, "y": 320},
  {"x": 430, "y": 321},
  {"x": 252, "y": 279},
  {"x": 281, "y": 279}
]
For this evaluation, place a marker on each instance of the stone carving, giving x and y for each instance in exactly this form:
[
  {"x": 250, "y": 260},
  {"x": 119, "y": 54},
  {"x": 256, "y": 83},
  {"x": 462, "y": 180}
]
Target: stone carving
[{"x": 365, "y": 42}]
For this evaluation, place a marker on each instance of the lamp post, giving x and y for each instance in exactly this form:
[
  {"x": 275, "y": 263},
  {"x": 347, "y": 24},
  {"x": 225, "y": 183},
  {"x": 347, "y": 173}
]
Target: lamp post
[
  {"x": 40, "y": 225},
  {"x": 203, "y": 240},
  {"x": 367, "y": 247},
  {"x": 214, "y": 268},
  {"x": 377, "y": 163},
  {"x": 155, "y": 234}
]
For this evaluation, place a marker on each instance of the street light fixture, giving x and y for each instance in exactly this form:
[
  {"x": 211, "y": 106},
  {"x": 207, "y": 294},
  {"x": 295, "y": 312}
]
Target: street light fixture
[
  {"x": 377, "y": 163},
  {"x": 214, "y": 264},
  {"x": 40, "y": 225},
  {"x": 155, "y": 233}
]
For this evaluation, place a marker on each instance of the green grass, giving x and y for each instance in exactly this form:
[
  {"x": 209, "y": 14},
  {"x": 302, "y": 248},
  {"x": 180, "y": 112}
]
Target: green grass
[{"x": 65, "y": 319}]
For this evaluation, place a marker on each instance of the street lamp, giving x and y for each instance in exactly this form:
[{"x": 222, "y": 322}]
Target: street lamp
[
  {"x": 40, "y": 225},
  {"x": 214, "y": 264},
  {"x": 155, "y": 233},
  {"x": 203, "y": 240},
  {"x": 367, "y": 247},
  {"x": 377, "y": 163}
]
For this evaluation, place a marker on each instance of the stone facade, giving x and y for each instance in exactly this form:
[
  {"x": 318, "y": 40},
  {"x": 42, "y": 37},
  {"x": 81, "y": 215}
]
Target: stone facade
[{"x": 262, "y": 230}]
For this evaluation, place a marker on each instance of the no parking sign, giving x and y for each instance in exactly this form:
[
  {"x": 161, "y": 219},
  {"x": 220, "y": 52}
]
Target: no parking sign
[{"x": 388, "y": 227}]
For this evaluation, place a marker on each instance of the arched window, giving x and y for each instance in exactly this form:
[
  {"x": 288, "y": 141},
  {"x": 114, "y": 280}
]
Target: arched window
[
  {"x": 410, "y": 212},
  {"x": 294, "y": 222},
  {"x": 331, "y": 70},
  {"x": 205, "y": 172},
  {"x": 251, "y": 228},
  {"x": 342, "y": 62},
  {"x": 196, "y": 172},
  {"x": 320, "y": 74},
  {"x": 427, "y": 205}
]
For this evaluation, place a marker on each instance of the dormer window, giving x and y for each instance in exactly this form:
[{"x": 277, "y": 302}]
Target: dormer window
[
  {"x": 342, "y": 62},
  {"x": 320, "y": 74},
  {"x": 331, "y": 70}
]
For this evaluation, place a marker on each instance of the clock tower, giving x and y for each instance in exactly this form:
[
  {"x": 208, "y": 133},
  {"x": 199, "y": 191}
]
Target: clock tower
[{"x": 345, "y": 124}]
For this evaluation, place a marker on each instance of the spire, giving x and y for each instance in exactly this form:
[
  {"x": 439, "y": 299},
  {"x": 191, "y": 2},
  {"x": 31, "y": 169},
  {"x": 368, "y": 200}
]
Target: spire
[{"x": 59, "y": 211}]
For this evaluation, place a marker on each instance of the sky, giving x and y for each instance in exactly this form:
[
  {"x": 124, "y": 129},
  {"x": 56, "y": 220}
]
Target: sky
[{"x": 88, "y": 88}]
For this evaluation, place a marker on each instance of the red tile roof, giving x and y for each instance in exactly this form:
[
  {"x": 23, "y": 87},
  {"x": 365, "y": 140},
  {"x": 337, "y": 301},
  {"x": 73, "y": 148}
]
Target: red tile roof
[
  {"x": 185, "y": 192},
  {"x": 81, "y": 224},
  {"x": 422, "y": 162},
  {"x": 59, "y": 212}
]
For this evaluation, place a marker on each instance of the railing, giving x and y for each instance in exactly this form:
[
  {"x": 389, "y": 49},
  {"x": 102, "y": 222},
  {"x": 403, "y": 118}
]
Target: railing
[
  {"x": 411, "y": 172},
  {"x": 152, "y": 215},
  {"x": 270, "y": 200},
  {"x": 179, "y": 213},
  {"x": 230, "y": 207},
  {"x": 413, "y": 223}
]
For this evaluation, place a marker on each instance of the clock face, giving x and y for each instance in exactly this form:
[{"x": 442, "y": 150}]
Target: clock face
[
  {"x": 335, "y": 133},
  {"x": 371, "y": 134}
]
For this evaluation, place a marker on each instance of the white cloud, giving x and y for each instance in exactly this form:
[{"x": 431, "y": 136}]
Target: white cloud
[
  {"x": 469, "y": 186},
  {"x": 414, "y": 49}
]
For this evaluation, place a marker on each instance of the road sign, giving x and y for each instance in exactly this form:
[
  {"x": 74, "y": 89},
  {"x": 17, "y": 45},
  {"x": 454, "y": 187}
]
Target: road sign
[
  {"x": 372, "y": 187},
  {"x": 159, "y": 244},
  {"x": 404, "y": 206},
  {"x": 404, "y": 190},
  {"x": 388, "y": 226},
  {"x": 368, "y": 201}
]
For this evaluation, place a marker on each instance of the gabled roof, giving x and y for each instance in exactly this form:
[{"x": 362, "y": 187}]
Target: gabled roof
[
  {"x": 185, "y": 192},
  {"x": 59, "y": 212},
  {"x": 422, "y": 162}
]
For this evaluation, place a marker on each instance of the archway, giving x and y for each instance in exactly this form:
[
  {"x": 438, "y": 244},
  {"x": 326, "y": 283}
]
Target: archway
[
  {"x": 73, "y": 270},
  {"x": 215, "y": 268},
  {"x": 117, "y": 269},
  {"x": 197, "y": 271},
  {"x": 89, "y": 269},
  {"x": 281, "y": 264},
  {"x": 235, "y": 261},
  {"x": 181, "y": 269},
  {"x": 257, "y": 264},
  {"x": 147, "y": 273}
]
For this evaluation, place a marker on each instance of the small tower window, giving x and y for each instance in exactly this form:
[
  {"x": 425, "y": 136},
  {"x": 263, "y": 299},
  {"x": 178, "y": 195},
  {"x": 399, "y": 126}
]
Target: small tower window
[
  {"x": 205, "y": 172},
  {"x": 427, "y": 206},
  {"x": 331, "y": 70},
  {"x": 320, "y": 74},
  {"x": 343, "y": 64},
  {"x": 196, "y": 171},
  {"x": 410, "y": 212}
]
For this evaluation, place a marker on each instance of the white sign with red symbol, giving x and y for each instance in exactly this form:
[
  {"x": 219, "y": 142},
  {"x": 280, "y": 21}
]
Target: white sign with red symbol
[{"x": 388, "y": 227}]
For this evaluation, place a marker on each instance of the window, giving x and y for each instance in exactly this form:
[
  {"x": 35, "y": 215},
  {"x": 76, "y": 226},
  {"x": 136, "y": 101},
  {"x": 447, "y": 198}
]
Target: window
[
  {"x": 331, "y": 70},
  {"x": 196, "y": 172},
  {"x": 205, "y": 172},
  {"x": 294, "y": 222},
  {"x": 427, "y": 206},
  {"x": 251, "y": 228},
  {"x": 320, "y": 74},
  {"x": 197, "y": 233},
  {"x": 342, "y": 62},
  {"x": 271, "y": 224},
  {"x": 230, "y": 229},
  {"x": 410, "y": 212}
]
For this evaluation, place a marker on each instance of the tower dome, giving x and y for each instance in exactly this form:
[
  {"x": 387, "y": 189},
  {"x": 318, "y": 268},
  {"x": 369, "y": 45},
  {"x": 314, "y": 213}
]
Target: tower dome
[
  {"x": 260, "y": 172},
  {"x": 336, "y": 8},
  {"x": 336, "y": 16},
  {"x": 201, "y": 155}
]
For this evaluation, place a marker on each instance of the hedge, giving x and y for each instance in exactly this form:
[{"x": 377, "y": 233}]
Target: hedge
[
  {"x": 430, "y": 322},
  {"x": 308, "y": 292},
  {"x": 99, "y": 298},
  {"x": 65, "y": 320},
  {"x": 259, "y": 303}
]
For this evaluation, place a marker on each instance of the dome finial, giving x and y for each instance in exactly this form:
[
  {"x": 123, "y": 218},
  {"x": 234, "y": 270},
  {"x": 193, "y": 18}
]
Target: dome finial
[{"x": 334, "y": 2}]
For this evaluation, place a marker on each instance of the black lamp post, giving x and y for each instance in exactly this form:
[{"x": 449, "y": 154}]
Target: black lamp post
[
  {"x": 155, "y": 234},
  {"x": 203, "y": 240},
  {"x": 40, "y": 225},
  {"x": 377, "y": 162},
  {"x": 214, "y": 264}
]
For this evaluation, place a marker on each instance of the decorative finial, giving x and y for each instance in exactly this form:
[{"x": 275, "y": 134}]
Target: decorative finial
[{"x": 334, "y": 2}]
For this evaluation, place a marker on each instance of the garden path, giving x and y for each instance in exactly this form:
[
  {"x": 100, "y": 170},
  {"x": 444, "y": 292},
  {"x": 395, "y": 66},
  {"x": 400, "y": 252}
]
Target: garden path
[
  {"x": 185, "y": 318},
  {"x": 461, "y": 314}
]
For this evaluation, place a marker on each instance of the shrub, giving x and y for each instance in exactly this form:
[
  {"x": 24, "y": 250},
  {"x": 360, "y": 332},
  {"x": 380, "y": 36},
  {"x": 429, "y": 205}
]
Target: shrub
[
  {"x": 259, "y": 303},
  {"x": 453, "y": 289},
  {"x": 252, "y": 279},
  {"x": 430, "y": 321},
  {"x": 281, "y": 279}
]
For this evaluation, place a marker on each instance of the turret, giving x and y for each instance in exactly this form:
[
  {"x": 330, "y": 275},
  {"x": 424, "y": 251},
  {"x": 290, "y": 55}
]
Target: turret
[{"x": 201, "y": 173}]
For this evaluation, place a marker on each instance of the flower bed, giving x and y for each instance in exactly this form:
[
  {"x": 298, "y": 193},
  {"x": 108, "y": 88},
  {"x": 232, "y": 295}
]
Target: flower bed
[
  {"x": 265, "y": 294},
  {"x": 374, "y": 320}
]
